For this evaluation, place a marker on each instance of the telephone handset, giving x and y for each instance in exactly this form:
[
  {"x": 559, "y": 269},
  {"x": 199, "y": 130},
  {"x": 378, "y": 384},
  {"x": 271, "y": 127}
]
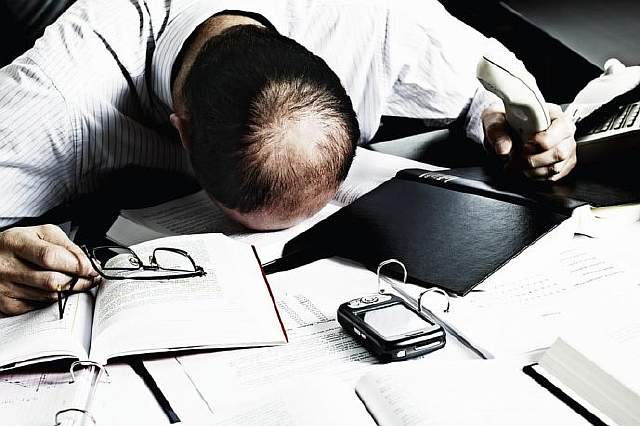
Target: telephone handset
[{"x": 603, "y": 131}]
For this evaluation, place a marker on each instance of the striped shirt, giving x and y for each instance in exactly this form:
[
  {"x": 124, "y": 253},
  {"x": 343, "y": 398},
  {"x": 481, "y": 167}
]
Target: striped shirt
[{"x": 93, "y": 95}]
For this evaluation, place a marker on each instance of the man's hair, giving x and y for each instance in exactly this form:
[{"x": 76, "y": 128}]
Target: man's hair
[{"x": 271, "y": 126}]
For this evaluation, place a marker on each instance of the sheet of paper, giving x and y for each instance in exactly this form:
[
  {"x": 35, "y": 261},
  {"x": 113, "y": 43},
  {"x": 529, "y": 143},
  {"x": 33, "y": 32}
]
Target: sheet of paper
[
  {"x": 41, "y": 335},
  {"x": 124, "y": 399},
  {"x": 32, "y": 397},
  {"x": 322, "y": 401},
  {"x": 230, "y": 306},
  {"x": 522, "y": 307},
  {"x": 471, "y": 392},
  {"x": 176, "y": 385},
  {"x": 369, "y": 170}
]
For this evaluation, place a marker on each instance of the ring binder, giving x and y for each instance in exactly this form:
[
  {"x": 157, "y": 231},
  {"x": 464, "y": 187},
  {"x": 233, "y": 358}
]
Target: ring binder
[
  {"x": 434, "y": 290},
  {"x": 404, "y": 281},
  {"x": 96, "y": 370},
  {"x": 101, "y": 369},
  {"x": 387, "y": 262},
  {"x": 67, "y": 410}
]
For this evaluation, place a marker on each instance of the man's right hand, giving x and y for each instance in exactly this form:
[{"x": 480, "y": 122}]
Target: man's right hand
[{"x": 35, "y": 263}]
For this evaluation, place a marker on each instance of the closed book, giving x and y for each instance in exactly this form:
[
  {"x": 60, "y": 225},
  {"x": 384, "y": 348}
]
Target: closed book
[{"x": 451, "y": 229}]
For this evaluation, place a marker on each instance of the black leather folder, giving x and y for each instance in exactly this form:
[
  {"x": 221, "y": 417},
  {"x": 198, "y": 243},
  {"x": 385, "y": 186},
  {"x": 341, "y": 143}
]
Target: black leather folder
[{"x": 451, "y": 229}]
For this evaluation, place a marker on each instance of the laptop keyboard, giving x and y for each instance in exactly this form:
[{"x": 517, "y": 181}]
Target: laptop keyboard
[{"x": 625, "y": 116}]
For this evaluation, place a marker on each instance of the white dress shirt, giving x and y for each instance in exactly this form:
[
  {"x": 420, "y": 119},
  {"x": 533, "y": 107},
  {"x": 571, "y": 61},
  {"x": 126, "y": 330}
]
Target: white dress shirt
[{"x": 94, "y": 94}]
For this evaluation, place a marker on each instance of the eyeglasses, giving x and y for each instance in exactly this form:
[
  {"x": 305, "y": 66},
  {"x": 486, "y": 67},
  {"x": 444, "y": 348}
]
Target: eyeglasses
[{"x": 122, "y": 263}]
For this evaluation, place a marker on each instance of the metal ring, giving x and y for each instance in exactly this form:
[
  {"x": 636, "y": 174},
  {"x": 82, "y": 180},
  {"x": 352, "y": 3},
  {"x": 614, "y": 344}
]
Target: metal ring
[
  {"x": 387, "y": 262},
  {"x": 434, "y": 290},
  {"x": 100, "y": 367},
  {"x": 78, "y": 410}
]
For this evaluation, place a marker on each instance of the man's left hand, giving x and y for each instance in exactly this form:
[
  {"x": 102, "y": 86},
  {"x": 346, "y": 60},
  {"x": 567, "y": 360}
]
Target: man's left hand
[{"x": 547, "y": 155}]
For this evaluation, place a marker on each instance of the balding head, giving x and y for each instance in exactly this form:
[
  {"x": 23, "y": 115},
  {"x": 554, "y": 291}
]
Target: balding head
[{"x": 272, "y": 130}]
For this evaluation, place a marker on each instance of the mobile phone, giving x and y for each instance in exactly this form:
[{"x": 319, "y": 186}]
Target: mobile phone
[{"x": 389, "y": 328}]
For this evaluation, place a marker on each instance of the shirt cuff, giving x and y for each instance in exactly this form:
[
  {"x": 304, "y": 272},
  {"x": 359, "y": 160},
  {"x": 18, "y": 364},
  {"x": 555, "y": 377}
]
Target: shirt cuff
[{"x": 482, "y": 100}]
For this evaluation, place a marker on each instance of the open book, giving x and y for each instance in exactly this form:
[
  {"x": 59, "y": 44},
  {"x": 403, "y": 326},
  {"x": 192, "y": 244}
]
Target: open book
[{"x": 231, "y": 306}]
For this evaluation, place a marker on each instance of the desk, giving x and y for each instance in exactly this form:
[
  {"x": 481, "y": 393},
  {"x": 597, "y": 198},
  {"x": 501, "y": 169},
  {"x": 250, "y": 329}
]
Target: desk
[
  {"x": 308, "y": 298},
  {"x": 595, "y": 29}
]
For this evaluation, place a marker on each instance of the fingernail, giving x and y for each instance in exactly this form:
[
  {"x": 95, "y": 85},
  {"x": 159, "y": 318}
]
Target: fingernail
[{"x": 502, "y": 149}]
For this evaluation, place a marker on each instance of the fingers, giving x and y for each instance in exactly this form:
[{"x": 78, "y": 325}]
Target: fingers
[
  {"x": 35, "y": 263},
  {"x": 10, "y": 306},
  {"x": 57, "y": 236},
  {"x": 553, "y": 172},
  {"x": 26, "y": 293},
  {"x": 561, "y": 128},
  {"x": 551, "y": 154},
  {"x": 51, "y": 281},
  {"x": 498, "y": 139},
  {"x": 44, "y": 247}
]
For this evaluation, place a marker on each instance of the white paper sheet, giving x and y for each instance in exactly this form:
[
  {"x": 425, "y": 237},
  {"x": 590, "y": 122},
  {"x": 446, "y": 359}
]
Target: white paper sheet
[{"x": 523, "y": 306}]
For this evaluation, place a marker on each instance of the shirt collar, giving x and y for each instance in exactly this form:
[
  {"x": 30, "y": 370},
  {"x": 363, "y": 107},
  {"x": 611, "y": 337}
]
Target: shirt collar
[{"x": 178, "y": 31}]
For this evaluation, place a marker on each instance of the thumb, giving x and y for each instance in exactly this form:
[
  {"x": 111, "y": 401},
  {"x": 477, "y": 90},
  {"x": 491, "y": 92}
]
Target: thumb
[
  {"x": 55, "y": 235},
  {"x": 498, "y": 138}
]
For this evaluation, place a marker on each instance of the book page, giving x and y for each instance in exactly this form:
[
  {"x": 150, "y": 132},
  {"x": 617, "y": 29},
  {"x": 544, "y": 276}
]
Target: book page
[
  {"x": 228, "y": 307},
  {"x": 522, "y": 307},
  {"x": 41, "y": 335},
  {"x": 462, "y": 393},
  {"x": 369, "y": 170}
]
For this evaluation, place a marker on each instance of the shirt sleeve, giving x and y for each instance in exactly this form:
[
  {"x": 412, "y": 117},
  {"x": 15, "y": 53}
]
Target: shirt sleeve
[
  {"x": 37, "y": 155},
  {"x": 431, "y": 58}
]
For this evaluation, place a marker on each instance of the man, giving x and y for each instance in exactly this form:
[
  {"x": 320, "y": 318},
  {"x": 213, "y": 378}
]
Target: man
[{"x": 269, "y": 99}]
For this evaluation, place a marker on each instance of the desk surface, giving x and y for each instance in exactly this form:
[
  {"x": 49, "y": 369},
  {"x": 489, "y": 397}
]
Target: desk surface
[{"x": 595, "y": 29}]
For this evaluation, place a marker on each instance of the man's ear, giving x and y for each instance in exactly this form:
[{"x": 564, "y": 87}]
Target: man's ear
[{"x": 182, "y": 126}]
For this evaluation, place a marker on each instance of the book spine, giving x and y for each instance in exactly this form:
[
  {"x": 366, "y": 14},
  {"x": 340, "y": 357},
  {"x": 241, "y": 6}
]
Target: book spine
[
  {"x": 470, "y": 186},
  {"x": 456, "y": 183}
]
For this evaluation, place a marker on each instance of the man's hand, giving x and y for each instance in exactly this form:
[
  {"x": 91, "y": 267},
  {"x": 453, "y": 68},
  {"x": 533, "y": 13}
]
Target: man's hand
[
  {"x": 547, "y": 155},
  {"x": 35, "y": 263}
]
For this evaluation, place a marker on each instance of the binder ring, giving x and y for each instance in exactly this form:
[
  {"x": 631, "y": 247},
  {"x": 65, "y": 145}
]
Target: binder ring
[
  {"x": 78, "y": 410},
  {"x": 101, "y": 369},
  {"x": 434, "y": 290},
  {"x": 387, "y": 262}
]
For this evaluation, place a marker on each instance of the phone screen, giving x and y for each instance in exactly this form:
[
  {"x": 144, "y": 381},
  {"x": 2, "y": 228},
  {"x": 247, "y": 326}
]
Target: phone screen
[{"x": 394, "y": 321}]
